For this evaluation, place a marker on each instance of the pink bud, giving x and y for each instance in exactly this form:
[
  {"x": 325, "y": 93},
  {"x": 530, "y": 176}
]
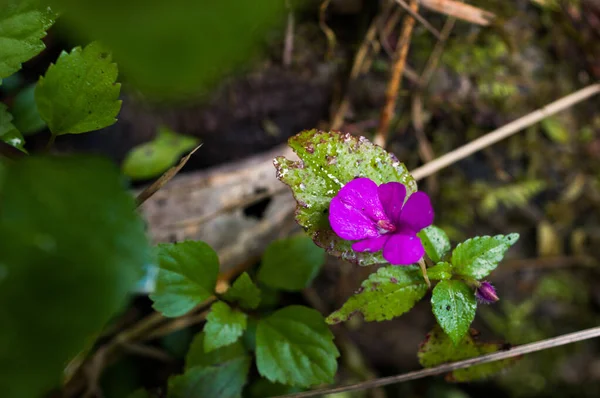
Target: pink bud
[{"x": 486, "y": 293}]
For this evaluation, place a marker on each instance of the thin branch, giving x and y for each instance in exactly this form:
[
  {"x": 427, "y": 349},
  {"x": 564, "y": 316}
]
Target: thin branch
[
  {"x": 331, "y": 41},
  {"x": 505, "y": 131},
  {"x": 419, "y": 18},
  {"x": 288, "y": 44},
  {"x": 449, "y": 367}
]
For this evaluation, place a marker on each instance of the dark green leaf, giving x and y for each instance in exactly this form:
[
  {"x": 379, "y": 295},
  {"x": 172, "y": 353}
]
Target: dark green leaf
[
  {"x": 477, "y": 257},
  {"x": 264, "y": 388},
  {"x": 224, "y": 326},
  {"x": 72, "y": 247},
  {"x": 8, "y": 132},
  {"x": 244, "y": 292},
  {"x": 440, "y": 271},
  {"x": 454, "y": 305},
  {"x": 435, "y": 241},
  {"x": 294, "y": 346},
  {"x": 291, "y": 264},
  {"x": 198, "y": 357},
  {"x": 438, "y": 349},
  {"x": 79, "y": 93},
  {"x": 388, "y": 293},
  {"x": 22, "y": 25},
  {"x": 327, "y": 162},
  {"x": 24, "y": 110},
  {"x": 152, "y": 158},
  {"x": 141, "y": 393},
  {"x": 187, "y": 276}
]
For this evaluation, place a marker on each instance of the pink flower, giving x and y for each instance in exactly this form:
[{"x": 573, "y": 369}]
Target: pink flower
[
  {"x": 486, "y": 293},
  {"x": 377, "y": 218}
]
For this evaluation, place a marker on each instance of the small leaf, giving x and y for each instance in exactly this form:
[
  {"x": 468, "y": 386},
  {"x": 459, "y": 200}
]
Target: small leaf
[
  {"x": 438, "y": 349},
  {"x": 198, "y": 357},
  {"x": 477, "y": 257},
  {"x": 440, "y": 271},
  {"x": 224, "y": 326},
  {"x": 291, "y": 264},
  {"x": 8, "y": 132},
  {"x": 388, "y": 293},
  {"x": 294, "y": 346},
  {"x": 555, "y": 130},
  {"x": 152, "y": 158},
  {"x": 24, "y": 110},
  {"x": 454, "y": 305},
  {"x": 244, "y": 292},
  {"x": 79, "y": 93},
  {"x": 435, "y": 241},
  {"x": 223, "y": 381},
  {"x": 327, "y": 162},
  {"x": 22, "y": 26},
  {"x": 187, "y": 276}
]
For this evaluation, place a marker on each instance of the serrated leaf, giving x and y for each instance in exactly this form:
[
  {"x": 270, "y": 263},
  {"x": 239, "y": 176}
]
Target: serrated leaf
[
  {"x": 224, "y": 381},
  {"x": 435, "y": 241},
  {"x": 8, "y": 132},
  {"x": 477, "y": 257},
  {"x": 294, "y": 346},
  {"x": 327, "y": 162},
  {"x": 438, "y": 349},
  {"x": 440, "y": 271},
  {"x": 25, "y": 113},
  {"x": 196, "y": 355},
  {"x": 79, "y": 93},
  {"x": 291, "y": 264},
  {"x": 22, "y": 26},
  {"x": 152, "y": 158},
  {"x": 453, "y": 304},
  {"x": 187, "y": 276},
  {"x": 244, "y": 292},
  {"x": 386, "y": 294},
  {"x": 224, "y": 326},
  {"x": 72, "y": 242}
]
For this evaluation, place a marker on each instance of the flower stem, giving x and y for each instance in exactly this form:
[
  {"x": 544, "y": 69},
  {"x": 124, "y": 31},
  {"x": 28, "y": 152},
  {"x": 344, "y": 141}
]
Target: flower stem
[{"x": 424, "y": 271}]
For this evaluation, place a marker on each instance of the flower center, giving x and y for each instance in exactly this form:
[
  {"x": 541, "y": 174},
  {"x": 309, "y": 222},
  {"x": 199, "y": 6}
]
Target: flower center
[{"x": 386, "y": 226}]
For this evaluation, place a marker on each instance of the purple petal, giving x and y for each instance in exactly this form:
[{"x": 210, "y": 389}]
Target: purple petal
[
  {"x": 403, "y": 249},
  {"x": 350, "y": 223},
  {"x": 417, "y": 213},
  {"x": 392, "y": 195},
  {"x": 361, "y": 193},
  {"x": 371, "y": 245}
]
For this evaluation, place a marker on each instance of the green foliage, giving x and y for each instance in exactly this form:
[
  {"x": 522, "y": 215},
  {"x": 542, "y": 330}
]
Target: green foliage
[
  {"x": 264, "y": 388},
  {"x": 453, "y": 304},
  {"x": 294, "y": 346},
  {"x": 224, "y": 326},
  {"x": 327, "y": 162},
  {"x": 79, "y": 93},
  {"x": 243, "y": 292},
  {"x": 71, "y": 242},
  {"x": 555, "y": 130},
  {"x": 151, "y": 159},
  {"x": 435, "y": 241},
  {"x": 388, "y": 293},
  {"x": 291, "y": 263},
  {"x": 197, "y": 356},
  {"x": 22, "y": 26},
  {"x": 513, "y": 195},
  {"x": 8, "y": 132},
  {"x": 477, "y": 257},
  {"x": 440, "y": 271},
  {"x": 177, "y": 48},
  {"x": 141, "y": 393},
  {"x": 438, "y": 349},
  {"x": 24, "y": 110},
  {"x": 187, "y": 276}
]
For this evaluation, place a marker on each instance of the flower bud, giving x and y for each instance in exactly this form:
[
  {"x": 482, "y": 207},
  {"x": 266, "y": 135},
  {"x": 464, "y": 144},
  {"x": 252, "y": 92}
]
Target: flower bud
[{"x": 486, "y": 293}]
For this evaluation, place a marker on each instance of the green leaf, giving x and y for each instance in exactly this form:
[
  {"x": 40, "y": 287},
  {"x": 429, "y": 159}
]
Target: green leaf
[
  {"x": 454, "y": 305},
  {"x": 244, "y": 292},
  {"x": 73, "y": 247},
  {"x": 438, "y": 349},
  {"x": 8, "y": 132},
  {"x": 555, "y": 130},
  {"x": 294, "y": 346},
  {"x": 198, "y": 357},
  {"x": 224, "y": 381},
  {"x": 386, "y": 294},
  {"x": 440, "y": 271},
  {"x": 171, "y": 50},
  {"x": 435, "y": 241},
  {"x": 22, "y": 26},
  {"x": 477, "y": 257},
  {"x": 291, "y": 264},
  {"x": 187, "y": 276},
  {"x": 262, "y": 388},
  {"x": 79, "y": 93},
  {"x": 327, "y": 162},
  {"x": 224, "y": 326},
  {"x": 24, "y": 110},
  {"x": 152, "y": 158}
]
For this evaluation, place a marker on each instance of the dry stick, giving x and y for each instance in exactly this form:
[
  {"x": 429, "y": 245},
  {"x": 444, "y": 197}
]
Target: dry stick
[
  {"x": 393, "y": 87},
  {"x": 449, "y": 367},
  {"x": 331, "y": 41},
  {"x": 288, "y": 44},
  {"x": 505, "y": 131},
  {"x": 419, "y": 18}
]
